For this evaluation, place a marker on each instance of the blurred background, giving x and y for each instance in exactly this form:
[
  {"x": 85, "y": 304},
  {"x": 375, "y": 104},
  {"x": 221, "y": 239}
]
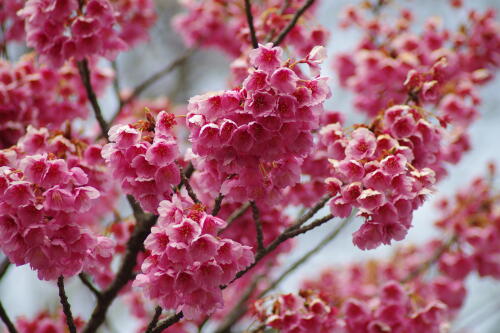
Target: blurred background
[{"x": 23, "y": 294}]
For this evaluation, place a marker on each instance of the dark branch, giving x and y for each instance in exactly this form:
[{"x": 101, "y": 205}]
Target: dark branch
[
  {"x": 258, "y": 226},
  {"x": 154, "y": 320},
  {"x": 189, "y": 189},
  {"x": 6, "y": 320},
  {"x": 168, "y": 322},
  {"x": 217, "y": 205},
  {"x": 292, "y": 23},
  {"x": 66, "y": 306},
  {"x": 83, "y": 68},
  {"x": 4, "y": 266},
  {"x": 86, "y": 281},
  {"x": 253, "y": 35}
]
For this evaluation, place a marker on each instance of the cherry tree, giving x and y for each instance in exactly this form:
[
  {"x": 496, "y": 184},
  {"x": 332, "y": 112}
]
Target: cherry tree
[{"x": 219, "y": 187}]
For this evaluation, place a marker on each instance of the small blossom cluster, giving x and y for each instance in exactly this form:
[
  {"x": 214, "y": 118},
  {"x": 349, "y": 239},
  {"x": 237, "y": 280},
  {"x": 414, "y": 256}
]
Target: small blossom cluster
[
  {"x": 63, "y": 29},
  {"x": 42, "y": 198},
  {"x": 385, "y": 170},
  {"x": 187, "y": 262},
  {"x": 474, "y": 218},
  {"x": 223, "y": 25},
  {"x": 250, "y": 142},
  {"x": 12, "y": 24},
  {"x": 392, "y": 310},
  {"x": 142, "y": 157},
  {"x": 45, "y": 322},
  {"x": 37, "y": 95},
  {"x": 390, "y": 55}
]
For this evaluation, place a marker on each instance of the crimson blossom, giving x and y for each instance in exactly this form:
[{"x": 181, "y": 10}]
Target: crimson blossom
[{"x": 184, "y": 208}]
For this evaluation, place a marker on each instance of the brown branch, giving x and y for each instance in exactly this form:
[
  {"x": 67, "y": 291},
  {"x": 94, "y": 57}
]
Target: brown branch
[
  {"x": 154, "y": 320},
  {"x": 83, "y": 68},
  {"x": 6, "y": 320},
  {"x": 217, "y": 205},
  {"x": 253, "y": 35},
  {"x": 292, "y": 23},
  {"x": 85, "y": 280},
  {"x": 234, "y": 216},
  {"x": 66, "y": 306},
  {"x": 168, "y": 322},
  {"x": 4, "y": 266},
  {"x": 258, "y": 226},
  {"x": 187, "y": 185}
]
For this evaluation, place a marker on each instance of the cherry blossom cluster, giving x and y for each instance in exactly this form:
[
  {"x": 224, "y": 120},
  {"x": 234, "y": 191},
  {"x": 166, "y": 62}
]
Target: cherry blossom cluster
[
  {"x": 63, "y": 29},
  {"x": 44, "y": 199},
  {"x": 390, "y": 54},
  {"x": 392, "y": 310},
  {"x": 12, "y": 24},
  {"x": 223, "y": 25},
  {"x": 474, "y": 218},
  {"x": 250, "y": 142},
  {"x": 37, "y": 95},
  {"x": 142, "y": 157},
  {"x": 385, "y": 171},
  {"x": 187, "y": 262},
  {"x": 45, "y": 322}
]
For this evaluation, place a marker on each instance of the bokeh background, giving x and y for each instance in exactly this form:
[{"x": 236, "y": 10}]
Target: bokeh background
[{"x": 23, "y": 294}]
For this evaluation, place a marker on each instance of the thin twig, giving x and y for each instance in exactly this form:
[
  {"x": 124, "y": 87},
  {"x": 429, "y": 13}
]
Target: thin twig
[
  {"x": 83, "y": 68},
  {"x": 316, "y": 223},
  {"x": 86, "y": 281},
  {"x": 235, "y": 215},
  {"x": 154, "y": 320},
  {"x": 431, "y": 261},
  {"x": 4, "y": 266},
  {"x": 116, "y": 83},
  {"x": 189, "y": 189},
  {"x": 258, "y": 226},
  {"x": 6, "y": 320},
  {"x": 240, "y": 307},
  {"x": 292, "y": 23},
  {"x": 66, "y": 306},
  {"x": 217, "y": 205},
  {"x": 168, "y": 322},
  {"x": 311, "y": 212},
  {"x": 253, "y": 35}
]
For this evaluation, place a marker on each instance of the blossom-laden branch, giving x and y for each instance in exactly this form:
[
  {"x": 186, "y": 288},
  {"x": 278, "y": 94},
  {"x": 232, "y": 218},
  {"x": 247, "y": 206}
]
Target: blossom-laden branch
[
  {"x": 65, "y": 305},
  {"x": 85, "y": 280},
  {"x": 251, "y": 27},
  {"x": 217, "y": 204},
  {"x": 4, "y": 266},
  {"x": 292, "y": 23},
  {"x": 235, "y": 215},
  {"x": 290, "y": 232},
  {"x": 258, "y": 226}
]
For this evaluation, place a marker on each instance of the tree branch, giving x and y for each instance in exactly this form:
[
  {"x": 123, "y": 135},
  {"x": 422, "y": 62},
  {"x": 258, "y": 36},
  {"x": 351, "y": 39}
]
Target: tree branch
[
  {"x": 154, "y": 320},
  {"x": 258, "y": 226},
  {"x": 4, "y": 266},
  {"x": 83, "y": 68},
  {"x": 168, "y": 322},
  {"x": 66, "y": 306},
  {"x": 253, "y": 35},
  {"x": 217, "y": 205},
  {"x": 234, "y": 216},
  {"x": 189, "y": 189},
  {"x": 85, "y": 280},
  {"x": 6, "y": 320},
  {"x": 292, "y": 23}
]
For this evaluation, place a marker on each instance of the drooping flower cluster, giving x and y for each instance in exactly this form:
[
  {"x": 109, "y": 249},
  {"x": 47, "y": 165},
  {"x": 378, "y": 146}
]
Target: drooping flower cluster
[
  {"x": 142, "y": 156},
  {"x": 187, "y": 262},
  {"x": 386, "y": 171},
  {"x": 250, "y": 141},
  {"x": 62, "y": 29},
  {"x": 474, "y": 217},
  {"x": 223, "y": 25},
  {"x": 44, "y": 199},
  {"x": 36, "y": 95}
]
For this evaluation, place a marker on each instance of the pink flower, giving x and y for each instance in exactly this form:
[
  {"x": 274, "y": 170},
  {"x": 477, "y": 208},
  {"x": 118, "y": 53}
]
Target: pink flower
[{"x": 265, "y": 57}]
